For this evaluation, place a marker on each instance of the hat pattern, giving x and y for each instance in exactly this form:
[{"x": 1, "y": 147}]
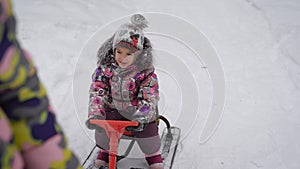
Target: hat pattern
[{"x": 131, "y": 35}]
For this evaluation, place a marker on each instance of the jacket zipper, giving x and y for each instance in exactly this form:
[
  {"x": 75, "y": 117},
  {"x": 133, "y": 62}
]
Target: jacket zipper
[{"x": 122, "y": 99}]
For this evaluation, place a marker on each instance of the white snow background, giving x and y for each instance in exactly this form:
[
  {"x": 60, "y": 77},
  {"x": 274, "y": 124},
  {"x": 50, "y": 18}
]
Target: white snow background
[{"x": 256, "y": 41}]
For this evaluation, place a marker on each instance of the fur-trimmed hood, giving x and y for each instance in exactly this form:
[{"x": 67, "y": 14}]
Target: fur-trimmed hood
[{"x": 144, "y": 60}]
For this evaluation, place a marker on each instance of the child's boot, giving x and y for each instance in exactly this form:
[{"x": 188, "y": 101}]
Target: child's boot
[
  {"x": 155, "y": 162},
  {"x": 102, "y": 160},
  {"x": 157, "y": 166},
  {"x": 100, "y": 164}
]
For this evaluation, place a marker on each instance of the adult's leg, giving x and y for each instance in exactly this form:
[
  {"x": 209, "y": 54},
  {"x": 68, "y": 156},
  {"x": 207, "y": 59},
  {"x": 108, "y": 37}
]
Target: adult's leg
[
  {"x": 10, "y": 157},
  {"x": 24, "y": 101}
]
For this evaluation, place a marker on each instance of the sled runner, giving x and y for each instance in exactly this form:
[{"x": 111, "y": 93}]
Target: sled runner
[{"x": 115, "y": 129}]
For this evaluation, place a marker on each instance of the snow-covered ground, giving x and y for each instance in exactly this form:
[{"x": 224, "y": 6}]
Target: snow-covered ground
[{"x": 255, "y": 41}]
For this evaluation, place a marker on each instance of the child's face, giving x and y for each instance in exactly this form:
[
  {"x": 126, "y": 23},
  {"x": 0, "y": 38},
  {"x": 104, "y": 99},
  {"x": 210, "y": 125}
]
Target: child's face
[{"x": 124, "y": 57}]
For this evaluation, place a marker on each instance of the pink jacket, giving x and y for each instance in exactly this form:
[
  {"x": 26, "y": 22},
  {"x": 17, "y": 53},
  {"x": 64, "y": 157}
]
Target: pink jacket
[{"x": 127, "y": 90}]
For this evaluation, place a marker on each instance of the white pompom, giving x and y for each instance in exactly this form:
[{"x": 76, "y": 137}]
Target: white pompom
[{"x": 139, "y": 20}]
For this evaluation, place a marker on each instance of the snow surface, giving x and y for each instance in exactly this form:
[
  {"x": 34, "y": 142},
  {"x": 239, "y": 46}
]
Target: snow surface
[{"x": 255, "y": 41}]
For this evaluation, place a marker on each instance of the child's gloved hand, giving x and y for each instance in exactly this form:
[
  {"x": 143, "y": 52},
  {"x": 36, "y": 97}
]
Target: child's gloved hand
[
  {"x": 93, "y": 126},
  {"x": 142, "y": 123}
]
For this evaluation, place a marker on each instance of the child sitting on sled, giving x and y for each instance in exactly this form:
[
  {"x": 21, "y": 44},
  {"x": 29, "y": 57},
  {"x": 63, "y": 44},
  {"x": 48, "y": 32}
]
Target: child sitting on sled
[{"x": 125, "y": 87}]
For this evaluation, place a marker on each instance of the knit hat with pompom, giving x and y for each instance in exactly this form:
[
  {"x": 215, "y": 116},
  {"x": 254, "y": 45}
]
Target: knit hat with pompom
[{"x": 131, "y": 35}]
